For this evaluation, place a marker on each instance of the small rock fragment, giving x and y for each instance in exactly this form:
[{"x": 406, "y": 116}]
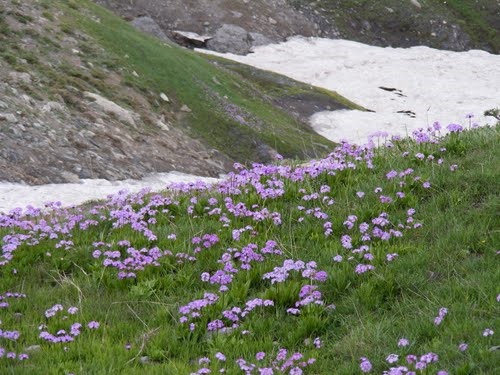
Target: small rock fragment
[
  {"x": 33, "y": 348},
  {"x": 9, "y": 117}
]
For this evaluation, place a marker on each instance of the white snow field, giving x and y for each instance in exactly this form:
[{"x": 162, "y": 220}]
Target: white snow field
[
  {"x": 432, "y": 84},
  {"x": 429, "y": 84}
]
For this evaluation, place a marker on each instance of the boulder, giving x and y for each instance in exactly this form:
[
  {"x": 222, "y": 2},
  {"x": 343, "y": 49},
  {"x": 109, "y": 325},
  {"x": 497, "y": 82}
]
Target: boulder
[
  {"x": 9, "y": 117},
  {"x": 20, "y": 77},
  {"x": 110, "y": 107},
  {"x": 52, "y": 106},
  {"x": 257, "y": 39},
  {"x": 231, "y": 38},
  {"x": 149, "y": 26}
]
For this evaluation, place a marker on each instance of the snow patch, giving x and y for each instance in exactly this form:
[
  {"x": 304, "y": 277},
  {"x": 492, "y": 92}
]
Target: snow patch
[
  {"x": 407, "y": 88},
  {"x": 19, "y": 195}
]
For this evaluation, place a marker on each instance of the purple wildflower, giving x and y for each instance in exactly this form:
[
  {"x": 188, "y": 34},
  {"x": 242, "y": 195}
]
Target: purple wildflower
[
  {"x": 403, "y": 342},
  {"x": 488, "y": 332},
  {"x": 365, "y": 365},
  {"x": 391, "y": 358},
  {"x": 221, "y": 357},
  {"x": 455, "y": 128},
  {"x": 93, "y": 325}
]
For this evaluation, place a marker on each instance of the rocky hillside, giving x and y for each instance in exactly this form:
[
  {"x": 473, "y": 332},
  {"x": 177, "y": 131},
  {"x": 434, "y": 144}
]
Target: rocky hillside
[
  {"x": 238, "y": 25},
  {"x": 453, "y": 25},
  {"x": 83, "y": 94}
]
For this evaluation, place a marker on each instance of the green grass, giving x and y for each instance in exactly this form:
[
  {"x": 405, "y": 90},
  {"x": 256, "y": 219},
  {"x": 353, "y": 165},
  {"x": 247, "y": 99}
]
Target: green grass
[{"x": 451, "y": 261}]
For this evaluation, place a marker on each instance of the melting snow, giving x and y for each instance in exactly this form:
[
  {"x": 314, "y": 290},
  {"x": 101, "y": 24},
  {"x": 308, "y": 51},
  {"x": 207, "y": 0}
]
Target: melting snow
[
  {"x": 422, "y": 84},
  {"x": 18, "y": 195}
]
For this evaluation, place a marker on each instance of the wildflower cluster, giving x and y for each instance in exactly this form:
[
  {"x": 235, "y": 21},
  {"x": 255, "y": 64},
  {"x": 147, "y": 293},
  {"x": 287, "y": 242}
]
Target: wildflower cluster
[
  {"x": 62, "y": 335},
  {"x": 254, "y": 262},
  {"x": 10, "y": 335}
]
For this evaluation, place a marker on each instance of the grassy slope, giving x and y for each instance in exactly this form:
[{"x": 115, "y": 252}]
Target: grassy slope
[
  {"x": 187, "y": 78},
  {"x": 450, "y": 262}
]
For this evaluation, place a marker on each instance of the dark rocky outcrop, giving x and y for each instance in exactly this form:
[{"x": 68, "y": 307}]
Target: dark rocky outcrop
[{"x": 401, "y": 23}]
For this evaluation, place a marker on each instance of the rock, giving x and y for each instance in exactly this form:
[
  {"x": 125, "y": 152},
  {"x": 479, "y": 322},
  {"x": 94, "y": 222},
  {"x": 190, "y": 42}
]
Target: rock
[
  {"x": 3, "y": 105},
  {"x": 70, "y": 177},
  {"x": 190, "y": 39},
  {"x": 416, "y": 3},
  {"x": 86, "y": 134},
  {"x": 9, "y": 117},
  {"x": 145, "y": 359},
  {"x": 149, "y": 26},
  {"x": 162, "y": 125},
  {"x": 18, "y": 77},
  {"x": 257, "y": 39},
  {"x": 134, "y": 73},
  {"x": 33, "y": 348},
  {"x": 111, "y": 108},
  {"x": 450, "y": 36},
  {"x": 28, "y": 99},
  {"x": 236, "y": 14},
  {"x": 186, "y": 109},
  {"x": 52, "y": 106},
  {"x": 164, "y": 97},
  {"x": 230, "y": 38}
]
